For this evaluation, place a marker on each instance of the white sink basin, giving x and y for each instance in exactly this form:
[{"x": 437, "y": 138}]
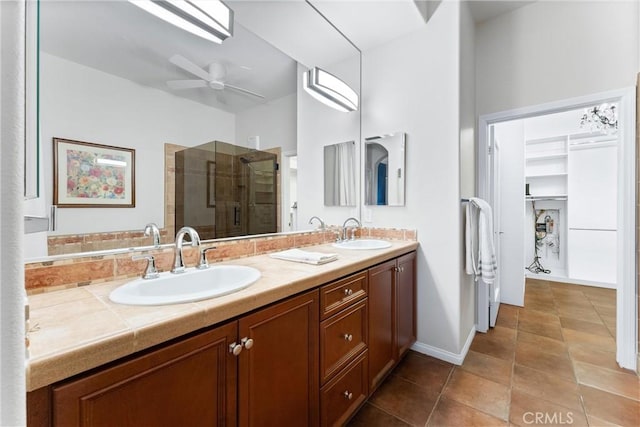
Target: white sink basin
[
  {"x": 192, "y": 285},
  {"x": 363, "y": 244}
]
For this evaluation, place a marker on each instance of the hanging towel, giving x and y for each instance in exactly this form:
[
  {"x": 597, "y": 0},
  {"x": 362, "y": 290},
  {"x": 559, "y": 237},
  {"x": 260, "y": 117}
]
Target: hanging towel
[
  {"x": 480, "y": 254},
  {"x": 307, "y": 257}
]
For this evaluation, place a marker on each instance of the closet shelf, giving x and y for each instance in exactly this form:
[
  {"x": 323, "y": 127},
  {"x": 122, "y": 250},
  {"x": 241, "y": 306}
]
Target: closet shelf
[
  {"x": 547, "y": 157},
  {"x": 547, "y": 175},
  {"x": 531, "y": 198}
]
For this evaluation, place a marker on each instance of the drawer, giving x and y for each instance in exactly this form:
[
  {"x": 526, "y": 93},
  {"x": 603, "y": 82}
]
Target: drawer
[
  {"x": 342, "y": 337},
  {"x": 344, "y": 394},
  {"x": 338, "y": 295}
]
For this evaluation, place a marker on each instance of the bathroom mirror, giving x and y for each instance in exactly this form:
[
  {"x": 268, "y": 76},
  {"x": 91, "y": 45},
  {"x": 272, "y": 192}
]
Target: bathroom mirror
[
  {"x": 112, "y": 74},
  {"x": 340, "y": 174},
  {"x": 385, "y": 169}
]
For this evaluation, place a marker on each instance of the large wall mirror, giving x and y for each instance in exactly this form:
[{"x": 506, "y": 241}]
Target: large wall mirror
[
  {"x": 113, "y": 74},
  {"x": 384, "y": 169}
]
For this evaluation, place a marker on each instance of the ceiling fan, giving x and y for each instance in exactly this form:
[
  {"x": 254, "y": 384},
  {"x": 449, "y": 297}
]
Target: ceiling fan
[{"x": 214, "y": 78}]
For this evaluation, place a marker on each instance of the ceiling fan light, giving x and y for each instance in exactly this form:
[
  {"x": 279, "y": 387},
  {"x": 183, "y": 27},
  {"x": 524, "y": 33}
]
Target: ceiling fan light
[
  {"x": 191, "y": 17},
  {"x": 330, "y": 90}
]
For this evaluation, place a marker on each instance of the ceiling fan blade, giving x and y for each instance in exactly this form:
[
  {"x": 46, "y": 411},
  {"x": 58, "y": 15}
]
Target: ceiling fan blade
[
  {"x": 186, "y": 84},
  {"x": 245, "y": 91},
  {"x": 189, "y": 66}
]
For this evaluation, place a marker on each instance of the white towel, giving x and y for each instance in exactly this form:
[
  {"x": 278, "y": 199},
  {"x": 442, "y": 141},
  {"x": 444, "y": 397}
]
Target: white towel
[
  {"x": 307, "y": 257},
  {"x": 480, "y": 257}
]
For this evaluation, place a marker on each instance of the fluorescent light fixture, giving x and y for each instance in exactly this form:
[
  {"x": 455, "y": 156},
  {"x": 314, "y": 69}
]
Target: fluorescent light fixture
[
  {"x": 111, "y": 162},
  {"x": 330, "y": 90},
  {"x": 210, "y": 19}
]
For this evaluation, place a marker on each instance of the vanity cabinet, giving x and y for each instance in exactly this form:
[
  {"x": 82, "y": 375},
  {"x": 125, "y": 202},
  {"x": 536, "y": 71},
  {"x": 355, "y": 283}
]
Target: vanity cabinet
[
  {"x": 392, "y": 316},
  {"x": 308, "y": 360},
  {"x": 278, "y": 373},
  {"x": 190, "y": 382},
  {"x": 197, "y": 381},
  {"x": 343, "y": 348}
]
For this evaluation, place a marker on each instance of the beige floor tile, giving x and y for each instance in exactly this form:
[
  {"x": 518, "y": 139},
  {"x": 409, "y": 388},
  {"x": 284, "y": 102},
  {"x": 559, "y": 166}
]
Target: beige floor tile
[
  {"x": 370, "y": 416},
  {"x": 507, "y": 316},
  {"x": 479, "y": 393},
  {"x": 425, "y": 371},
  {"x": 528, "y": 410},
  {"x": 405, "y": 400},
  {"x": 498, "y": 342},
  {"x": 610, "y": 407},
  {"x": 623, "y": 384},
  {"x": 592, "y": 356},
  {"x": 588, "y": 314},
  {"x": 537, "y": 358},
  {"x": 451, "y": 413},
  {"x": 534, "y": 343},
  {"x": 583, "y": 326},
  {"x": 492, "y": 368},
  {"x": 584, "y": 339},
  {"x": 547, "y": 386}
]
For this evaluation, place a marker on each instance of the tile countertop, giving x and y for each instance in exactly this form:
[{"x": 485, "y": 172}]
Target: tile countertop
[{"x": 78, "y": 329}]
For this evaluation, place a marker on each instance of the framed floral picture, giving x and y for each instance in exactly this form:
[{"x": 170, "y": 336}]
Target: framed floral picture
[{"x": 87, "y": 175}]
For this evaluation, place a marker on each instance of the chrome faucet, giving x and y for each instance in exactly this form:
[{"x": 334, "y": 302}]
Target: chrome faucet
[
  {"x": 322, "y": 224},
  {"x": 151, "y": 229},
  {"x": 178, "y": 262},
  {"x": 344, "y": 227}
]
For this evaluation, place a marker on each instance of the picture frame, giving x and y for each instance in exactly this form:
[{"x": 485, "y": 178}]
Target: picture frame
[
  {"x": 211, "y": 184},
  {"x": 89, "y": 175}
]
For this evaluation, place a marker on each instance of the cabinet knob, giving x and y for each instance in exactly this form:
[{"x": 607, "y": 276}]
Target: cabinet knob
[
  {"x": 396, "y": 269},
  {"x": 348, "y": 337},
  {"x": 401, "y": 269},
  {"x": 348, "y": 292},
  {"x": 348, "y": 395},
  {"x": 235, "y": 349},
  {"x": 247, "y": 342}
]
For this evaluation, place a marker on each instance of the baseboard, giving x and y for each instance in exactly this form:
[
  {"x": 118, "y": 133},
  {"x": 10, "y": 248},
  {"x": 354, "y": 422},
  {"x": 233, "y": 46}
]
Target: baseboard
[{"x": 447, "y": 356}]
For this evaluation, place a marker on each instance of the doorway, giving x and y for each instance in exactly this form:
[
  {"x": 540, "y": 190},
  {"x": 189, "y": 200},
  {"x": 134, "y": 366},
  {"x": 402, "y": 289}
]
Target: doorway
[{"x": 624, "y": 241}]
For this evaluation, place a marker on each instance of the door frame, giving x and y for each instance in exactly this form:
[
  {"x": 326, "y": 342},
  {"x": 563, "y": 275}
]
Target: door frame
[{"x": 626, "y": 304}]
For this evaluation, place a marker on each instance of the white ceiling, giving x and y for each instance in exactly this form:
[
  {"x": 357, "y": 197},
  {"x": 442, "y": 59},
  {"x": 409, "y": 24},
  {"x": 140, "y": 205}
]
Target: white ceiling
[{"x": 485, "y": 10}]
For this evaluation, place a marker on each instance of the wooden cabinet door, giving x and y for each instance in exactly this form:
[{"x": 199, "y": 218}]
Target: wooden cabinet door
[
  {"x": 382, "y": 322},
  {"x": 189, "y": 383},
  {"x": 406, "y": 303},
  {"x": 279, "y": 373}
]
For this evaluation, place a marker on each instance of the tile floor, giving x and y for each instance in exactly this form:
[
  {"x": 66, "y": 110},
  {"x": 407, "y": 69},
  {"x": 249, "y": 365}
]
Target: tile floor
[{"x": 549, "y": 363}]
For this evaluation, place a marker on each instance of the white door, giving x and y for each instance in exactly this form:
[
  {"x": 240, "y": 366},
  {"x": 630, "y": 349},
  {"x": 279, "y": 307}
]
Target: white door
[{"x": 496, "y": 205}]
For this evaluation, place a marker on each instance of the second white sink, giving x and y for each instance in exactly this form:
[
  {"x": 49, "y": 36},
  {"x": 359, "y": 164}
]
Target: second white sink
[
  {"x": 193, "y": 285},
  {"x": 363, "y": 244}
]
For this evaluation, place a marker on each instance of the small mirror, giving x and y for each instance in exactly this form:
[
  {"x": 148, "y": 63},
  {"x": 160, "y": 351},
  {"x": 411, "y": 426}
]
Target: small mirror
[
  {"x": 340, "y": 174},
  {"x": 384, "y": 170}
]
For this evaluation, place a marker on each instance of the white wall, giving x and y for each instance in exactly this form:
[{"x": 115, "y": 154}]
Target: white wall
[
  {"x": 552, "y": 50},
  {"x": 274, "y": 122},
  {"x": 510, "y": 136},
  {"x": 412, "y": 85},
  {"x": 467, "y": 158},
  {"x": 12, "y": 325},
  {"x": 320, "y": 125},
  {"x": 81, "y": 103}
]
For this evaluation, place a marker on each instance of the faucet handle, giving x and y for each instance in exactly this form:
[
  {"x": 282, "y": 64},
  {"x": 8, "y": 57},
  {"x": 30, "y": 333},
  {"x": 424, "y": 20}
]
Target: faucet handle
[
  {"x": 150, "y": 272},
  {"x": 203, "y": 263}
]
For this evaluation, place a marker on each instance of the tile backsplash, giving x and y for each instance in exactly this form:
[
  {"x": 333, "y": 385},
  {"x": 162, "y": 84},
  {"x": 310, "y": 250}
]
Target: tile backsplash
[{"x": 74, "y": 271}]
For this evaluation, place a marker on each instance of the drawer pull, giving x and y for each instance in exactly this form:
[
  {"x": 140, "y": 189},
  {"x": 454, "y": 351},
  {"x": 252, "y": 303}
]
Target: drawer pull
[
  {"x": 247, "y": 343},
  {"x": 348, "y": 337},
  {"x": 348, "y": 292},
  {"x": 348, "y": 395},
  {"x": 235, "y": 349}
]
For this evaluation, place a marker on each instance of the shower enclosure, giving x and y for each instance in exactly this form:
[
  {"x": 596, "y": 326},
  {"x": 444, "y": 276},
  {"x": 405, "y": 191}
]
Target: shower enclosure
[{"x": 223, "y": 190}]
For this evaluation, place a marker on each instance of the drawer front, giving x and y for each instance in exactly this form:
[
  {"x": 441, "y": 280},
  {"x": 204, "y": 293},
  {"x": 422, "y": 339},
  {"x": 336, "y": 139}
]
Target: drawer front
[
  {"x": 338, "y": 295},
  {"x": 342, "y": 338},
  {"x": 343, "y": 395}
]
